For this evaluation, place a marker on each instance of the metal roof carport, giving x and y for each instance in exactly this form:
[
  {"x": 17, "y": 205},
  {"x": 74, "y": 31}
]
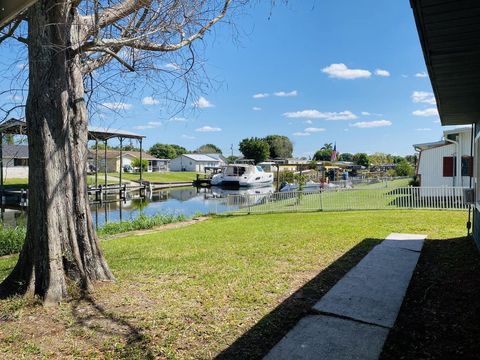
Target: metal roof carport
[{"x": 19, "y": 127}]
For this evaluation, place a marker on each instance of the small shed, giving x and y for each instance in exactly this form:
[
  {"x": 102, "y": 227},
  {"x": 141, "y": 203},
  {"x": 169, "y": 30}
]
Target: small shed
[{"x": 193, "y": 162}]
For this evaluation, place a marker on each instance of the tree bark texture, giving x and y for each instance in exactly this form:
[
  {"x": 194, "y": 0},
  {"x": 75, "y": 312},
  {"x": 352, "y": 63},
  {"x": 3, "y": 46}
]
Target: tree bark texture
[{"x": 61, "y": 243}]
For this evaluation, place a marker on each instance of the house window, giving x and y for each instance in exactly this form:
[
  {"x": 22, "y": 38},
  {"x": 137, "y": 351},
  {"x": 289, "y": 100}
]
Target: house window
[
  {"x": 448, "y": 166},
  {"x": 20, "y": 162},
  {"x": 467, "y": 166}
]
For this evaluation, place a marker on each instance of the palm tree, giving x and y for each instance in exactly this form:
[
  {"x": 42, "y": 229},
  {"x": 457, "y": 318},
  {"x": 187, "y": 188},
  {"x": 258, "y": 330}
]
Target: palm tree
[{"x": 327, "y": 146}]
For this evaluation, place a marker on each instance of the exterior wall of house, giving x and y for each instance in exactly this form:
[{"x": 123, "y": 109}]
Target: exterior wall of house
[
  {"x": 430, "y": 166},
  {"x": 183, "y": 163},
  {"x": 15, "y": 172},
  {"x": 11, "y": 170}
]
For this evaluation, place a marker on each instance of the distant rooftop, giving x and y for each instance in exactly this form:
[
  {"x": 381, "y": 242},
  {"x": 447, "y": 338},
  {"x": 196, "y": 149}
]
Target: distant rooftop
[
  {"x": 15, "y": 151},
  {"x": 201, "y": 157}
]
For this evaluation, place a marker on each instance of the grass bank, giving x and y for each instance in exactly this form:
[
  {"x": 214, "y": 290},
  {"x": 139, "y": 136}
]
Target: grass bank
[
  {"x": 12, "y": 238},
  {"x": 229, "y": 287},
  {"x": 15, "y": 183},
  {"x": 22, "y": 183},
  {"x": 377, "y": 196}
]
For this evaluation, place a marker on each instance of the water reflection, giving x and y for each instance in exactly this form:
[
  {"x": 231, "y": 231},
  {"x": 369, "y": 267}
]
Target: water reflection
[{"x": 187, "y": 201}]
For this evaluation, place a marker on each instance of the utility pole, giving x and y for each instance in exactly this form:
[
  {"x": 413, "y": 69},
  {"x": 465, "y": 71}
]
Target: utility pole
[{"x": 231, "y": 148}]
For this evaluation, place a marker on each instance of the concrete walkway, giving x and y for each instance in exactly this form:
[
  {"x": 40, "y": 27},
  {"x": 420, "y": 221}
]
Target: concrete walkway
[{"x": 353, "y": 319}]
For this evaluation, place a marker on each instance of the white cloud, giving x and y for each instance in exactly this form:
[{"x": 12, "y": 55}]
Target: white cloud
[
  {"x": 203, "y": 103},
  {"x": 341, "y": 71},
  {"x": 381, "y": 72},
  {"x": 426, "y": 112},
  {"x": 261, "y": 95},
  {"x": 371, "y": 124},
  {"x": 256, "y": 108},
  {"x": 423, "y": 97},
  {"x": 155, "y": 123},
  {"x": 422, "y": 74},
  {"x": 184, "y": 136},
  {"x": 301, "y": 133},
  {"x": 117, "y": 106},
  {"x": 404, "y": 76},
  {"x": 208, "y": 129},
  {"x": 149, "y": 100},
  {"x": 423, "y": 129},
  {"x": 308, "y": 122},
  {"x": 365, "y": 113},
  {"x": 286, "y": 94},
  {"x": 313, "y": 129},
  {"x": 436, "y": 121},
  {"x": 315, "y": 114}
]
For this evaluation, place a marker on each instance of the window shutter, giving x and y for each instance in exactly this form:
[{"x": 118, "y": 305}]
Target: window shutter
[
  {"x": 447, "y": 166},
  {"x": 467, "y": 166}
]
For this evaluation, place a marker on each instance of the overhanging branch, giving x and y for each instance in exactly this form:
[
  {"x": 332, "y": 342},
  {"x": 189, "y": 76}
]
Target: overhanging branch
[{"x": 140, "y": 42}]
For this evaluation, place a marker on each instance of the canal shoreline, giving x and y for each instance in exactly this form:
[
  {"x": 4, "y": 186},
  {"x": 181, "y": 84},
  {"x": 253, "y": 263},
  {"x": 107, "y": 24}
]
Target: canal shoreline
[{"x": 156, "y": 229}]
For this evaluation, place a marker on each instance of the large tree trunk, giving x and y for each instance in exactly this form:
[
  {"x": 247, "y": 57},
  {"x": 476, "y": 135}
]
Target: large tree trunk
[{"x": 61, "y": 243}]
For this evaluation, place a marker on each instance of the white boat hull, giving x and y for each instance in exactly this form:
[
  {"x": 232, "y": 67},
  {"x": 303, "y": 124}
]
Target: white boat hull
[{"x": 252, "y": 179}]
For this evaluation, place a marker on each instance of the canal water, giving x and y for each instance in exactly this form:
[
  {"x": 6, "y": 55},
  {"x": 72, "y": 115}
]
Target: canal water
[{"x": 187, "y": 201}]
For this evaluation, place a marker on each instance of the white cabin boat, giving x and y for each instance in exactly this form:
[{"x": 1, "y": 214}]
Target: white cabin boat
[{"x": 242, "y": 175}]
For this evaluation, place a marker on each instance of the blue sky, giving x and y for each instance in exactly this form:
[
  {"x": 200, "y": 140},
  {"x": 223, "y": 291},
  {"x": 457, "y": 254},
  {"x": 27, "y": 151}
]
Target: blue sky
[{"x": 350, "y": 72}]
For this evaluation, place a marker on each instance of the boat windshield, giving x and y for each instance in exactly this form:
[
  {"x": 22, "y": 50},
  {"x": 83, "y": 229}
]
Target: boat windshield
[
  {"x": 259, "y": 168},
  {"x": 234, "y": 170}
]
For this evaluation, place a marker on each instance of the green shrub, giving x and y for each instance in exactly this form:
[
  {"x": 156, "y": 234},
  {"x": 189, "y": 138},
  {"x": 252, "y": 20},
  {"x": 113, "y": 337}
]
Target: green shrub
[
  {"x": 11, "y": 239},
  {"x": 140, "y": 223}
]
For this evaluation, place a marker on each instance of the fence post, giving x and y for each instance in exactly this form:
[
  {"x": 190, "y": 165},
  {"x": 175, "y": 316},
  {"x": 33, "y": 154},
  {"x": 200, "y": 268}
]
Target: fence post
[
  {"x": 410, "y": 197},
  {"x": 321, "y": 200}
]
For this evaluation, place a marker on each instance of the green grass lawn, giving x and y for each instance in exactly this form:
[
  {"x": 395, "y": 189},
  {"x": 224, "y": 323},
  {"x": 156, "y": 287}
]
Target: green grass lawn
[
  {"x": 15, "y": 183},
  {"x": 390, "y": 195},
  {"x": 222, "y": 285},
  {"x": 181, "y": 176},
  {"x": 385, "y": 184}
]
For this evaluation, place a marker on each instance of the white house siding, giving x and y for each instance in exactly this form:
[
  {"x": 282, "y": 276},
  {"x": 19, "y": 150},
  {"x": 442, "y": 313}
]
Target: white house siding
[
  {"x": 15, "y": 172},
  {"x": 185, "y": 163},
  {"x": 430, "y": 166}
]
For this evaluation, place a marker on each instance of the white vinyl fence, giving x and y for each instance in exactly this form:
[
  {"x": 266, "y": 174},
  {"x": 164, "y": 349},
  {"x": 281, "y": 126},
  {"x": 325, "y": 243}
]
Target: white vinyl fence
[{"x": 340, "y": 199}]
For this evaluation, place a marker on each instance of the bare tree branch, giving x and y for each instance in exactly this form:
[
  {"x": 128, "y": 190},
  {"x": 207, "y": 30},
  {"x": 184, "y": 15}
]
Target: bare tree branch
[
  {"x": 142, "y": 43},
  {"x": 112, "y": 14},
  {"x": 11, "y": 29}
]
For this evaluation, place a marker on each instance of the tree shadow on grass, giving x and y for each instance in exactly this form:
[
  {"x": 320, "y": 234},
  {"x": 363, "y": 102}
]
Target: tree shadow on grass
[
  {"x": 258, "y": 340},
  {"x": 89, "y": 314}
]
